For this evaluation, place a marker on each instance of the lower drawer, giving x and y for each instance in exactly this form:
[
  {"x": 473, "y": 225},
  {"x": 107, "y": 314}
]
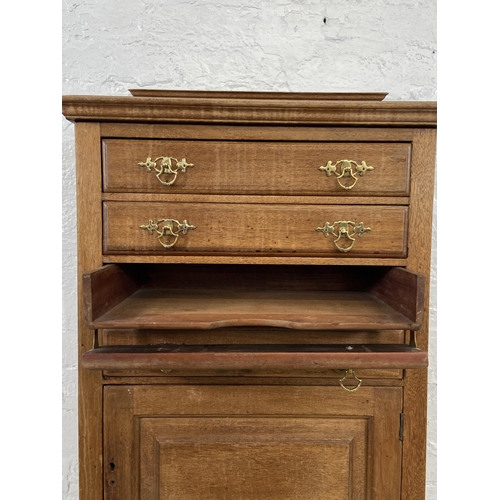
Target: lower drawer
[{"x": 158, "y": 228}]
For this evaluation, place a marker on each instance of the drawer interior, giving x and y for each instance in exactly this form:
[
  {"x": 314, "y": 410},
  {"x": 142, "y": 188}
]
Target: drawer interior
[
  {"x": 143, "y": 296},
  {"x": 197, "y": 298}
]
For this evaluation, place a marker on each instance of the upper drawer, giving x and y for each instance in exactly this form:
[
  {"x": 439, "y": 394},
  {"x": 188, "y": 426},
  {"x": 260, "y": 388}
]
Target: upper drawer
[
  {"x": 157, "y": 228},
  {"x": 277, "y": 168}
]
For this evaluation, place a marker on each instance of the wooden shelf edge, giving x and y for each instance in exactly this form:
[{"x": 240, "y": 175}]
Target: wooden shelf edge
[
  {"x": 185, "y": 324},
  {"x": 233, "y": 259},
  {"x": 255, "y": 357}
]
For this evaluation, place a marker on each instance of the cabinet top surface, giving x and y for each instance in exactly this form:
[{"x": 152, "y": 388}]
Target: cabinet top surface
[{"x": 368, "y": 109}]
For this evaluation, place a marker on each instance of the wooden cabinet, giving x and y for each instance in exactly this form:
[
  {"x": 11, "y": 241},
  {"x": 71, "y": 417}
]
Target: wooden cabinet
[{"x": 253, "y": 295}]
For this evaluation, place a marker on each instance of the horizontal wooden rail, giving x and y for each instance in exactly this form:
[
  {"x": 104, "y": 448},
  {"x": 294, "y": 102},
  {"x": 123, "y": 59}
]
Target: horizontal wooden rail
[{"x": 254, "y": 357}]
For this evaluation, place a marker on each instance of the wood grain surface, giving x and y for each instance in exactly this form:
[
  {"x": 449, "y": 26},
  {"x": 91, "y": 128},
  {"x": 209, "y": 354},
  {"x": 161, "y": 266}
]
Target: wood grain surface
[
  {"x": 287, "y": 304},
  {"x": 307, "y": 357},
  {"x": 255, "y": 297},
  {"x": 226, "y": 228},
  {"x": 318, "y": 438},
  {"x": 239, "y": 167},
  {"x": 258, "y": 111}
]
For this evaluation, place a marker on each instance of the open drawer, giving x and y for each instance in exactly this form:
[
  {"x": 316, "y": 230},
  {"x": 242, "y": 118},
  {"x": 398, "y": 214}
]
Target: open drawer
[
  {"x": 144, "y": 296},
  {"x": 332, "y": 299}
]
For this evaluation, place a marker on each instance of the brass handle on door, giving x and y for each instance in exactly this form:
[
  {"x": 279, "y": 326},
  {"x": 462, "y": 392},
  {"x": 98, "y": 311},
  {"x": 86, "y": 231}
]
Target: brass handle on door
[
  {"x": 349, "y": 169},
  {"x": 168, "y": 230},
  {"x": 343, "y": 233},
  {"x": 348, "y": 389},
  {"x": 168, "y": 166}
]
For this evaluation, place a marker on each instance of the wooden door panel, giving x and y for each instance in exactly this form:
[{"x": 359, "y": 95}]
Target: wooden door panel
[
  {"x": 251, "y": 442},
  {"x": 253, "y": 458}
]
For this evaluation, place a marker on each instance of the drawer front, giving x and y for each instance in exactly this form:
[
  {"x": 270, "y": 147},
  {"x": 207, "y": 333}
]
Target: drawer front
[
  {"x": 280, "y": 168},
  {"x": 254, "y": 229}
]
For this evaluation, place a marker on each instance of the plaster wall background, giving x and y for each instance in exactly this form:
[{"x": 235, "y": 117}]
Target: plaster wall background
[{"x": 110, "y": 46}]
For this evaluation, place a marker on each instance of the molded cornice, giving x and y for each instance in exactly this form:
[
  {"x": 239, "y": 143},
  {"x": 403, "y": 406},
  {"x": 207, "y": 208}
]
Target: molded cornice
[{"x": 252, "y": 108}]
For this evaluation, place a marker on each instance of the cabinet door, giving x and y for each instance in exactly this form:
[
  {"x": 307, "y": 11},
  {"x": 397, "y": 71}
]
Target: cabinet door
[{"x": 251, "y": 443}]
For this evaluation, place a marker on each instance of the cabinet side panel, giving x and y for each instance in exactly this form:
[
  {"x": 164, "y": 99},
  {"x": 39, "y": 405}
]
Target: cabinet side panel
[
  {"x": 419, "y": 257},
  {"x": 88, "y": 176}
]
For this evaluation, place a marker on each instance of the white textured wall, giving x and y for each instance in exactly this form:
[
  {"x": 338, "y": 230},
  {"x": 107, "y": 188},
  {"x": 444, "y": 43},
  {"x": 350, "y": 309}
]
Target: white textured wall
[{"x": 283, "y": 45}]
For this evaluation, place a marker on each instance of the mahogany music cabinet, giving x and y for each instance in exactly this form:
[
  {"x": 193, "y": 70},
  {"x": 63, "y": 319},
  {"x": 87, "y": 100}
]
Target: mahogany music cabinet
[{"x": 253, "y": 295}]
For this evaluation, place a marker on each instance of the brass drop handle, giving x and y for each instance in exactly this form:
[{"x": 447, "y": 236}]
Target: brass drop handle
[
  {"x": 167, "y": 230},
  {"x": 166, "y": 168},
  {"x": 344, "y": 378},
  {"x": 341, "y": 230},
  {"x": 349, "y": 169}
]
